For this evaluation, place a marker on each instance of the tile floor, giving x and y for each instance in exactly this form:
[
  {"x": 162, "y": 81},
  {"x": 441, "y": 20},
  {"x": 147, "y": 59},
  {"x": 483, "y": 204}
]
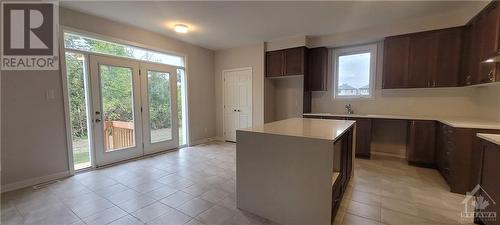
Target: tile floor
[{"x": 196, "y": 185}]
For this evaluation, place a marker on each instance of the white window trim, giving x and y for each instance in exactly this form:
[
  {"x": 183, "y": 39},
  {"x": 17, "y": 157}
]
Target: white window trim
[{"x": 372, "y": 49}]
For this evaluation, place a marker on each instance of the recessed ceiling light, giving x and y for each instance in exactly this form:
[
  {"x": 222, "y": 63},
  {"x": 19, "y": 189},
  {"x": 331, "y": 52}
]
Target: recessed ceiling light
[{"x": 181, "y": 28}]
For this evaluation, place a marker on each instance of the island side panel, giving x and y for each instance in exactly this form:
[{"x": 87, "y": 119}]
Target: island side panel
[{"x": 283, "y": 178}]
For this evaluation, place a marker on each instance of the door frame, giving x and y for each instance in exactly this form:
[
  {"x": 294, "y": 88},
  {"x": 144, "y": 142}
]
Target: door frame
[
  {"x": 224, "y": 94},
  {"x": 67, "y": 120}
]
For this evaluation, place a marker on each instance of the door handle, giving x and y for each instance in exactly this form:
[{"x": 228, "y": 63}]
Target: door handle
[{"x": 98, "y": 114}]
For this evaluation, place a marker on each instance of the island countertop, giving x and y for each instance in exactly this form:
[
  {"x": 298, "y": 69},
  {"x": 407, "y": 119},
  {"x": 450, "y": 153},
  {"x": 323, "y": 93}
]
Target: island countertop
[{"x": 307, "y": 128}]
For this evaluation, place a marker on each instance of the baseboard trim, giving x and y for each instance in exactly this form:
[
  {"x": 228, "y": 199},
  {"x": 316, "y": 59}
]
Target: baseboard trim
[
  {"x": 34, "y": 181},
  {"x": 388, "y": 154},
  {"x": 219, "y": 139},
  {"x": 203, "y": 141}
]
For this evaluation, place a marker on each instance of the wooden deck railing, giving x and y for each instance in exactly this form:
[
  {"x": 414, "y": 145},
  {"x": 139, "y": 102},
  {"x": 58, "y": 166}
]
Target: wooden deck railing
[{"x": 118, "y": 134}]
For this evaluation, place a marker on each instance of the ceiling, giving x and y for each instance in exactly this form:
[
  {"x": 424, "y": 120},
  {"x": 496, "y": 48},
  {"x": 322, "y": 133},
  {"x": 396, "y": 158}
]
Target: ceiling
[{"x": 220, "y": 25}]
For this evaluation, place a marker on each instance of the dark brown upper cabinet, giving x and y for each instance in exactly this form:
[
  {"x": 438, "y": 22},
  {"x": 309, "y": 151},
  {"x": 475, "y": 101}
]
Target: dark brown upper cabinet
[
  {"x": 423, "y": 60},
  {"x": 275, "y": 62},
  {"x": 317, "y": 68},
  {"x": 286, "y": 62},
  {"x": 295, "y": 61},
  {"x": 481, "y": 43},
  {"x": 396, "y": 56},
  {"x": 488, "y": 28},
  {"x": 449, "y": 42}
]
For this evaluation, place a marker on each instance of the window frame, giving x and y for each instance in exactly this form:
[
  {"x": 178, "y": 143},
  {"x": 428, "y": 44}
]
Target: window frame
[{"x": 338, "y": 52}]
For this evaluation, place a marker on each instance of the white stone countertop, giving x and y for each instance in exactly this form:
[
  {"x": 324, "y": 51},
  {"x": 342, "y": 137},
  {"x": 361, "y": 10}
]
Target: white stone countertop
[
  {"x": 457, "y": 122},
  {"x": 493, "y": 138},
  {"x": 307, "y": 128}
]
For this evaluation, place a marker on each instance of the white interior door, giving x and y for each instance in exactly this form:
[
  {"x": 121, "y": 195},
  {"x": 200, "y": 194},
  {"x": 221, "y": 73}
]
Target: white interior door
[
  {"x": 116, "y": 109},
  {"x": 159, "y": 107},
  {"x": 237, "y": 101}
]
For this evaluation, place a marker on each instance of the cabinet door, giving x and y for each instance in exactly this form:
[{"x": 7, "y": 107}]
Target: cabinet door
[
  {"x": 448, "y": 58},
  {"x": 318, "y": 66},
  {"x": 275, "y": 63},
  {"x": 421, "y": 143},
  {"x": 423, "y": 56},
  {"x": 363, "y": 137},
  {"x": 395, "y": 69},
  {"x": 294, "y": 61},
  {"x": 489, "y": 176},
  {"x": 488, "y": 31}
]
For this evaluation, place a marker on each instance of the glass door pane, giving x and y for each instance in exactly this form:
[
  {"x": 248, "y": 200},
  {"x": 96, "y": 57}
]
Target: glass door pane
[
  {"x": 160, "y": 114},
  {"x": 159, "y": 101},
  {"x": 116, "y": 109}
]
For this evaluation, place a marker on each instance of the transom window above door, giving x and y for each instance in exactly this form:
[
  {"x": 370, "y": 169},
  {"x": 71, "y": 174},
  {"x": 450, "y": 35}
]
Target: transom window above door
[
  {"x": 89, "y": 44},
  {"x": 354, "y": 71}
]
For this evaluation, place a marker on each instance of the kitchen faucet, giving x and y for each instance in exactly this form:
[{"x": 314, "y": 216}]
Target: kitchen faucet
[{"x": 349, "y": 109}]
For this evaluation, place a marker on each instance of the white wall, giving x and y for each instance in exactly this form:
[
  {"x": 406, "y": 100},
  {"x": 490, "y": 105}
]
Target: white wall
[
  {"x": 488, "y": 102},
  {"x": 33, "y": 129},
  {"x": 283, "y": 43},
  {"x": 33, "y": 132},
  {"x": 288, "y": 97},
  {"x": 247, "y": 56}
]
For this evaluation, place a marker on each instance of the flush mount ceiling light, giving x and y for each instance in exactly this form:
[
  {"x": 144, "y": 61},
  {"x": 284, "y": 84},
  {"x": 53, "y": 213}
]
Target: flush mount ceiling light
[{"x": 181, "y": 28}]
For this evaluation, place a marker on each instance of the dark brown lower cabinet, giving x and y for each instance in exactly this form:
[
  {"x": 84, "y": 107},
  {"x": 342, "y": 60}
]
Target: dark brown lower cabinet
[
  {"x": 489, "y": 178},
  {"x": 363, "y": 133},
  {"x": 363, "y": 137},
  {"x": 420, "y": 147},
  {"x": 458, "y": 156},
  {"x": 339, "y": 186},
  {"x": 455, "y": 152}
]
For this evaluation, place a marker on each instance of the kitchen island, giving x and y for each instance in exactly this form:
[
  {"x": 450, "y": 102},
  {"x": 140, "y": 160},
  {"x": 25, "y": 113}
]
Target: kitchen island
[{"x": 294, "y": 171}]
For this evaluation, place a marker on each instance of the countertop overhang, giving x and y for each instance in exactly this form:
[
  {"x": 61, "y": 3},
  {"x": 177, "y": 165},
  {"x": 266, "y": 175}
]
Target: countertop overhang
[
  {"x": 457, "y": 122},
  {"x": 306, "y": 128},
  {"x": 493, "y": 138}
]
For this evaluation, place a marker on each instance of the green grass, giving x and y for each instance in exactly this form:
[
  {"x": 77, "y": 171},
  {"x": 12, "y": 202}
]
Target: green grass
[{"x": 80, "y": 157}]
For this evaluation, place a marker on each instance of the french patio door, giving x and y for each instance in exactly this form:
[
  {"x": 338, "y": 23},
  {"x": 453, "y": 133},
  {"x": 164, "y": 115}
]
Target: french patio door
[
  {"x": 133, "y": 108},
  {"x": 159, "y": 103}
]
